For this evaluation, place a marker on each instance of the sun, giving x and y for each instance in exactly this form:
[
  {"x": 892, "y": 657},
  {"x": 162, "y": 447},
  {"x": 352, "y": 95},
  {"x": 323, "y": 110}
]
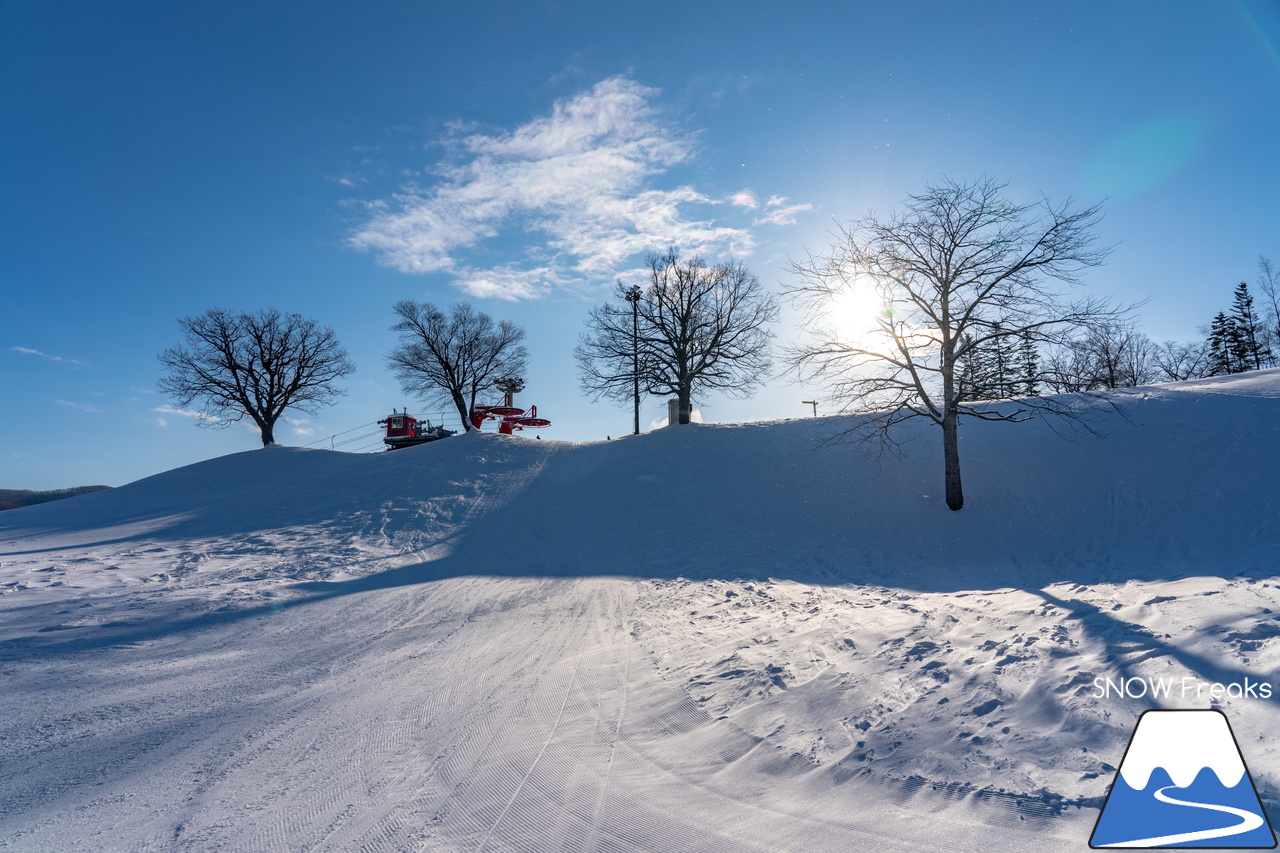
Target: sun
[{"x": 855, "y": 311}]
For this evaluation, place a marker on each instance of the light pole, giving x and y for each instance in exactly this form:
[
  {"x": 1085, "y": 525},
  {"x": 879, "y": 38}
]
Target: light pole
[
  {"x": 633, "y": 296},
  {"x": 813, "y": 403}
]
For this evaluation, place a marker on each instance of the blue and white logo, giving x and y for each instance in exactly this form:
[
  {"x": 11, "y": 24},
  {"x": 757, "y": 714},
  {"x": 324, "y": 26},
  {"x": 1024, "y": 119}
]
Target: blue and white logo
[{"x": 1183, "y": 783}]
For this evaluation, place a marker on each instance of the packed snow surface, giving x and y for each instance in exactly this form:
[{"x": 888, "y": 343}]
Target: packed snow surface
[{"x": 712, "y": 637}]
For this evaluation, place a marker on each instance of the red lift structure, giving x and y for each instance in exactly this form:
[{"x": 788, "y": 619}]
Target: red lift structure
[
  {"x": 404, "y": 430},
  {"x": 509, "y": 417}
]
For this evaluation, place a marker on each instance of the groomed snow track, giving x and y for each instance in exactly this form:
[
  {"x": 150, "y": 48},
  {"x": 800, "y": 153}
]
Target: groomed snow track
[{"x": 469, "y": 714}]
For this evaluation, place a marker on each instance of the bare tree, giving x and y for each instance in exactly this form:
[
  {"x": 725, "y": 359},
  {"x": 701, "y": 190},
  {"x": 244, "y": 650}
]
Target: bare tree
[
  {"x": 1269, "y": 279},
  {"x": 960, "y": 269},
  {"x": 256, "y": 365},
  {"x": 694, "y": 328},
  {"x": 449, "y": 359},
  {"x": 1110, "y": 354},
  {"x": 1178, "y": 361}
]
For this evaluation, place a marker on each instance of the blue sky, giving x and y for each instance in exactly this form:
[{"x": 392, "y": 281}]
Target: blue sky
[{"x": 333, "y": 158}]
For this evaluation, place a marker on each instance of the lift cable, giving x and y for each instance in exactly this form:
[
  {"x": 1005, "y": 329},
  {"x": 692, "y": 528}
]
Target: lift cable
[{"x": 331, "y": 438}]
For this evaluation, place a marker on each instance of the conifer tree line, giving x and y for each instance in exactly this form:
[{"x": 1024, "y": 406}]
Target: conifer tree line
[
  {"x": 1116, "y": 354},
  {"x": 1242, "y": 340},
  {"x": 1244, "y": 337},
  {"x": 1007, "y": 366}
]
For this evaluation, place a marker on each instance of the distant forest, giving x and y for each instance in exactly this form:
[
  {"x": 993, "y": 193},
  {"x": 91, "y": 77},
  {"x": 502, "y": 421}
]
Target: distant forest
[{"x": 14, "y": 498}]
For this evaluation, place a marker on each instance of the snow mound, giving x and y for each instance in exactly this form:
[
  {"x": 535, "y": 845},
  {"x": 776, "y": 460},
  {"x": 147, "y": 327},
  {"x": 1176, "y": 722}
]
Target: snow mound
[
  {"x": 730, "y": 637},
  {"x": 1180, "y": 481}
]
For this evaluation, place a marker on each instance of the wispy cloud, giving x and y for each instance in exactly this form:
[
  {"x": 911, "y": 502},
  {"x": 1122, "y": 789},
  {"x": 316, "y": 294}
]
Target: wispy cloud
[
  {"x": 84, "y": 407},
  {"x": 195, "y": 415},
  {"x": 580, "y": 183},
  {"x": 300, "y": 426},
  {"x": 349, "y": 181},
  {"x": 778, "y": 212},
  {"x": 29, "y": 351},
  {"x": 512, "y": 281}
]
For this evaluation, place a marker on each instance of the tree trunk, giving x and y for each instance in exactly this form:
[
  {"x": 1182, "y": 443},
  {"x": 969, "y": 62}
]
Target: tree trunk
[
  {"x": 268, "y": 431},
  {"x": 635, "y": 353},
  {"x": 951, "y": 458},
  {"x": 460, "y": 403},
  {"x": 685, "y": 396}
]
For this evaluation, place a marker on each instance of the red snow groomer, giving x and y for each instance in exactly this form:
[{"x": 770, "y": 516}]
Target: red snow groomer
[
  {"x": 404, "y": 430},
  {"x": 510, "y": 418}
]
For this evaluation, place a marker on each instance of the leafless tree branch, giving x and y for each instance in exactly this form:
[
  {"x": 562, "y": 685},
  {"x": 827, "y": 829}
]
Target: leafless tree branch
[
  {"x": 959, "y": 269},
  {"x": 253, "y": 364},
  {"x": 698, "y": 328},
  {"x": 448, "y": 359}
]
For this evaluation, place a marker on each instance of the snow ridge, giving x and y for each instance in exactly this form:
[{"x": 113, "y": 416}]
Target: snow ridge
[{"x": 711, "y": 637}]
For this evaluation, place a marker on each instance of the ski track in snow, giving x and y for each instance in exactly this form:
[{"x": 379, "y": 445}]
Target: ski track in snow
[
  {"x": 479, "y": 714},
  {"x": 495, "y": 645}
]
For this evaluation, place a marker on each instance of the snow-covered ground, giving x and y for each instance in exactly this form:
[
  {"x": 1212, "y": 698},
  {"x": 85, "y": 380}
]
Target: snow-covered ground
[{"x": 719, "y": 638}]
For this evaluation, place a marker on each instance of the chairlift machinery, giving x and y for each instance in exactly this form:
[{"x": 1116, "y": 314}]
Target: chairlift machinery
[
  {"x": 510, "y": 418},
  {"x": 404, "y": 430}
]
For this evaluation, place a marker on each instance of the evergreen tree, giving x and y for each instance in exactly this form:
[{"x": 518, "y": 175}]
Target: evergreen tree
[
  {"x": 1030, "y": 357},
  {"x": 982, "y": 367},
  {"x": 998, "y": 367},
  {"x": 1224, "y": 340},
  {"x": 1003, "y": 366},
  {"x": 1250, "y": 344},
  {"x": 969, "y": 368}
]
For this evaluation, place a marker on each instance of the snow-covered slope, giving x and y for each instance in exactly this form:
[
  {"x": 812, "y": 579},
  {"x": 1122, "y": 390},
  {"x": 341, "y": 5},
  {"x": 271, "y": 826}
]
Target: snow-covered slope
[{"x": 709, "y": 637}]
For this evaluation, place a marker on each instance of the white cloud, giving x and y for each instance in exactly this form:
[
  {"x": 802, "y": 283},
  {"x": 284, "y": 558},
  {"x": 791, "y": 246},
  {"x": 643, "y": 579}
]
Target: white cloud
[
  {"x": 780, "y": 213},
  {"x": 160, "y": 422},
  {"x": 300, "y": 427},
  {"x": 186, "y": 413},
  {"x": 511, "y": 282},
  {"x": 578, "y": 182},
  {"x": 84, "y": 407},
  {"x": 29, "y": 351}
]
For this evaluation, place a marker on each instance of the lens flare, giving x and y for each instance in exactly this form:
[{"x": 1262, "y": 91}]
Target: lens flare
[{"x": 1142, "y": 158}]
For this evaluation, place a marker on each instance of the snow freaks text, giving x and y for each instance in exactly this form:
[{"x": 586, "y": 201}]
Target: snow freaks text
[{"x": 1178, "y": 688}]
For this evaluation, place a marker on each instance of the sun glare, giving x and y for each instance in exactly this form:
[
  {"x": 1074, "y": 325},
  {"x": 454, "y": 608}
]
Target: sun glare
[{"x": 855, "y": 312}]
